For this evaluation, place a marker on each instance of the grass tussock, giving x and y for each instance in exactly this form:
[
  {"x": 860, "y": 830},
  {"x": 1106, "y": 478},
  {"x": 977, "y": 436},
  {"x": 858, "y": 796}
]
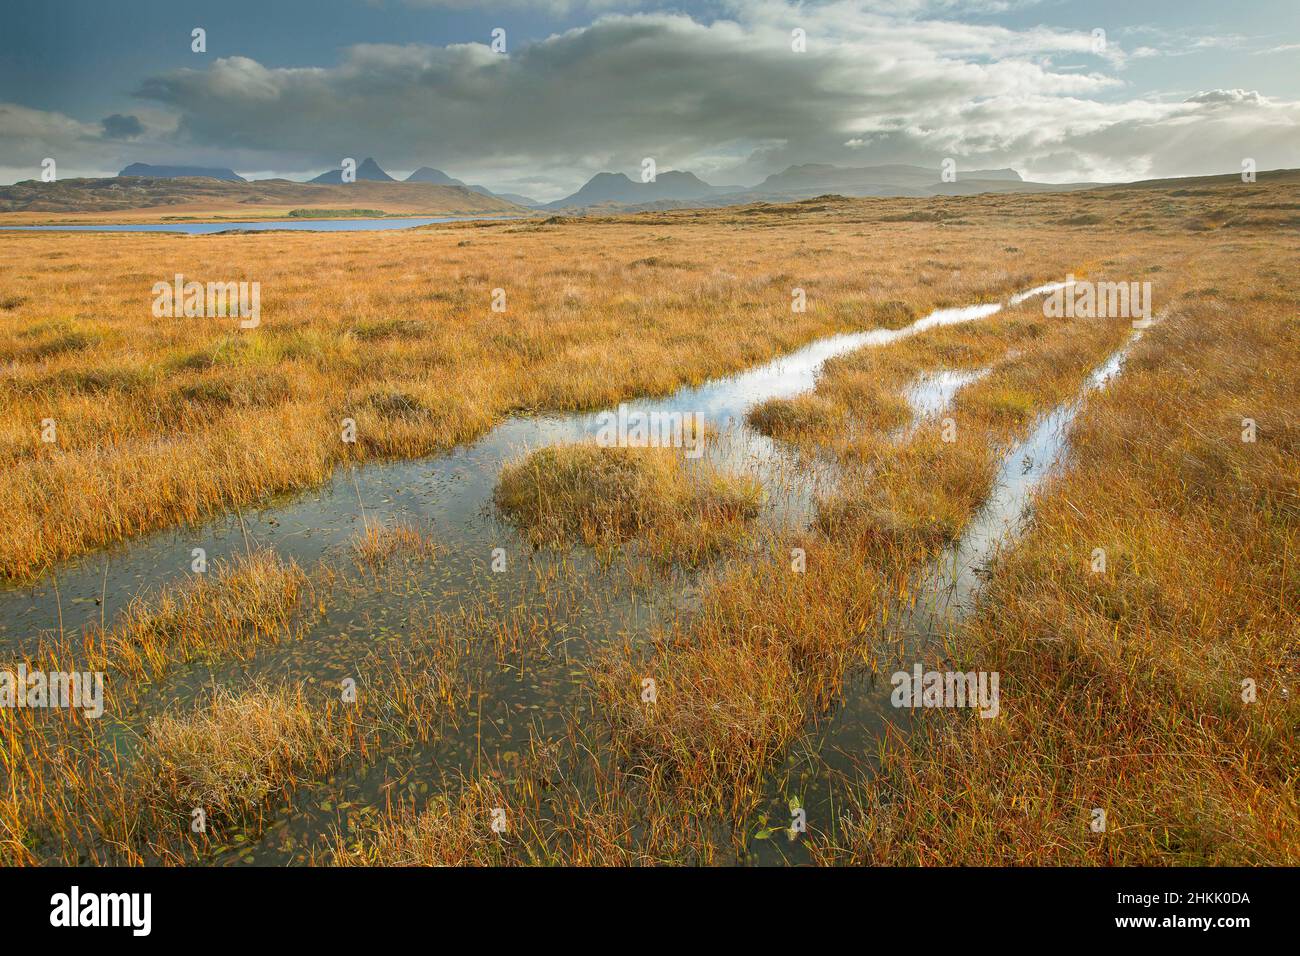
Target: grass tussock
[
  {"x": 231, "y": 608},
  {"x": 375, "y": 545},
  {"x": 232, "y": 754},
  {"x": 790, "y": 418},
  {"x": 606, "y": 496},
  {"x": 914, "y": 502},
  {"x": 449, "y": 831}
]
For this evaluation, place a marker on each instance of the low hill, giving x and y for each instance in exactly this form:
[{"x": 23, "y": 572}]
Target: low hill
[
  {"x": 618, "y": 188},
  {"x": 435, "y": 177},
  {"x": 178, "y": 172},
  {"x": 149, "y": 198},
  {"x": 427, "y": 174},
  {"x": 973, "y": 186}
]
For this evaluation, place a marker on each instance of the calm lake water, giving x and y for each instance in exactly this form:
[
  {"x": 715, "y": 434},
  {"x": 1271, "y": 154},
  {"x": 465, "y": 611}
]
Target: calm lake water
[{"x": 204, "y": 228}]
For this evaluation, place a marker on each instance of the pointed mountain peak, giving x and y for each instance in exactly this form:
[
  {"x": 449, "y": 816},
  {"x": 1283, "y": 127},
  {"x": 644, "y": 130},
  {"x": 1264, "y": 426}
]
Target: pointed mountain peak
[{"x": 369, "y": 169}]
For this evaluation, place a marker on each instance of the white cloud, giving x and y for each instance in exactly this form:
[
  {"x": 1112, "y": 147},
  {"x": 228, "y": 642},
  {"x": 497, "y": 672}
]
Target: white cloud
[{"x": 1228, "y": 96}]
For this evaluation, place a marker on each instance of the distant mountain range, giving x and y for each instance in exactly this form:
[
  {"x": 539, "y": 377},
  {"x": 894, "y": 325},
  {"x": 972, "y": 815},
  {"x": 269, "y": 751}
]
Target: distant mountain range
[
  {"x": 370, "y": 171},
  {"x": 677, "y": 189},
  {"x": 819, "y": 176}
]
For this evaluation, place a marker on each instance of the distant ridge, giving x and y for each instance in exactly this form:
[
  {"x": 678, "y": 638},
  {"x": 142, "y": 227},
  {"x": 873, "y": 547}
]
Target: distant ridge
[
  {"x": 618, "y": 188},
  {"x": 436, "y": 177},
  {"x": 427, "y": 174},
  {"x": 517, "y": 198},
  {"x": 824, "y": 178},
  {"x": 676, "y": 189},
  {"x": 181, "y": 172}
]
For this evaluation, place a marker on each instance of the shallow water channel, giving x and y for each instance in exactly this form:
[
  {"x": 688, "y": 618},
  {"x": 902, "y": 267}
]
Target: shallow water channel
[{"x": 944, "y": 593}]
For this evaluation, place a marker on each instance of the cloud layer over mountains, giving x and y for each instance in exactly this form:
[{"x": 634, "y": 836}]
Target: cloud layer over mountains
[{"x": 729, "y": 100}]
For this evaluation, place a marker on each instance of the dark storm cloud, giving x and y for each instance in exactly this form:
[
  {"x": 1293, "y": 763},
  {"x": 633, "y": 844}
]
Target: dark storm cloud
[{"x": 118, "y": 126}]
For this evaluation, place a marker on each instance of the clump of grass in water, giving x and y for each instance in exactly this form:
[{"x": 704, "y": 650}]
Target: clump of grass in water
[
  {"x": 231, "y": 608},
  {"x": 376, "y": 545},
  {"x": 568, "y": 493},
  {"x": 231, "y": 754},
  {"x": 449, "y": 831},
  {"x": 915, "y": 499},
  {"x": 792, "y": 418},
  {"x": 606, "y": 496},
  {"x": 817, "y": 420}
]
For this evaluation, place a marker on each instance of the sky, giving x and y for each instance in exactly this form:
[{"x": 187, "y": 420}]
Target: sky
[{"x": 1060, "y": 90}]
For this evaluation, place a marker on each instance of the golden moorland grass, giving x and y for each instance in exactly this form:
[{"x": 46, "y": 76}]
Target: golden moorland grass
[
  {"x": 771, "y": 645},
  {"x": 1157, "y": 685},
  {"x": 156, "y": 422},
  {"x": 1121, "y": 690}
]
